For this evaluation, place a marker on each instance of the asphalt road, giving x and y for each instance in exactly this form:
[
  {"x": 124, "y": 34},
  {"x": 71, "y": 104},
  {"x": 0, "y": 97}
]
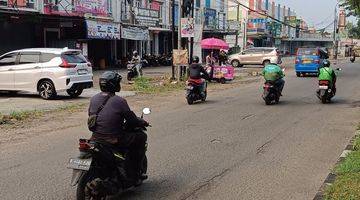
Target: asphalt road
[{"x": 231, "y": 147}]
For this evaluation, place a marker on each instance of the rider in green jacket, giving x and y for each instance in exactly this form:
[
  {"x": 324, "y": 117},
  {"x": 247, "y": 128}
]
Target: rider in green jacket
[
  {"x": 273, "y": 73},
  {"x": 326, "y": 73}
]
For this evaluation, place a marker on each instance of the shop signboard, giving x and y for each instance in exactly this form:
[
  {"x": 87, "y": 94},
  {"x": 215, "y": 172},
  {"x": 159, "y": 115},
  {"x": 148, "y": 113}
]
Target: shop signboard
[
  {"x": 210, "y": 18},
  {"x": 94, "y": 7},
  {"x": 103, "y": 30},
  {"x": 147, "y": 17},
  {"x": 233, "y": 25},
  {"x": 187, "y": 27},
  {"x": 135, "y": 33}
]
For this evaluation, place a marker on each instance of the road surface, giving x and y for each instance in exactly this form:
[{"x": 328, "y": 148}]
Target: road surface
[{"x": 231, "y": 147}]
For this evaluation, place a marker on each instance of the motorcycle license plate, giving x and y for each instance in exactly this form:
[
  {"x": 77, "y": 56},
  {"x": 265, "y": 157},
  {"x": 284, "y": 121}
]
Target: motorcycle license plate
[
  {"x": 81, "y": 164},
  {"x": 324, "y": 87},
  {"x": 189, "y": 87}
]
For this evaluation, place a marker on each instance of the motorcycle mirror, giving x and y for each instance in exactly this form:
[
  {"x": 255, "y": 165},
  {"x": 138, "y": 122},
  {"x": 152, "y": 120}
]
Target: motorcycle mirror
[
  {"x": 283, "y": 69},
  {"x": 146, "y": 111}
]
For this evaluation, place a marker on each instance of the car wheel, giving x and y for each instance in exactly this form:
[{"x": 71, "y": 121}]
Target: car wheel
[
  {"x": 298, "y": 74},
  {"x": 236, "y": 63},
  {"x": 266, "y": 62},
  {"x": 75, "y": 93},
  {"x": 47, "y": 90}
]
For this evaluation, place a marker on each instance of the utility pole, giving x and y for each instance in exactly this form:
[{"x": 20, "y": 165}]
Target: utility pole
[
  {"x": 179, "y": 25},
  {"x": 192, "y": 39},
  {"x": 237, "y": 21},
  {"x": 173, "y": 37},
  {"x": 335, "y": 32}
]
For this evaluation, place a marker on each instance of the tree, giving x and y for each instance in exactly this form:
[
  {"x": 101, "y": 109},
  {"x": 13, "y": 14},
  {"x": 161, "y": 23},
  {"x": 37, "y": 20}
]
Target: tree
[
  {"x": 354, "y": 31},
  {"x": 353, "y": 6}
]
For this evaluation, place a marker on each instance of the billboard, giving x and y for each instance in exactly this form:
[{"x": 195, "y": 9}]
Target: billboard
[{"x": 187, "y": 27}]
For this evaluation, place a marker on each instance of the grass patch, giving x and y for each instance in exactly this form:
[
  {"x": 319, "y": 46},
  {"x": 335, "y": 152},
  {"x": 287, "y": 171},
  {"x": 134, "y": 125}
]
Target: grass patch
[
  {"x": 17, "y": 116},
  {"x": 21, "y": 116},
  {"x": 351, "y": 164},
  {"x": 357, "y": 144},
  {"x": 345, "y": 187},
  {"x": 153, "y": 85},
  {"x": 347, "y": 182}
]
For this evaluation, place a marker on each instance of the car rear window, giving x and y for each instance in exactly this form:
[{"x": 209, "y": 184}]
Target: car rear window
[
  {"x": 74, "y": 57},
  {"x": 308, "y": 51}
]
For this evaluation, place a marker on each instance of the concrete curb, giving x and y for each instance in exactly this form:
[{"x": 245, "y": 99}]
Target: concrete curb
[{"x": 331, "y": 177}]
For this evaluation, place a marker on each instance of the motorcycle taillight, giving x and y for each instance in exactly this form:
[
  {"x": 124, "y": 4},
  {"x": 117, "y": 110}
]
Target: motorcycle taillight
[
  {"x": 323, "y": 82},
  {"x": 84, "y": 144}
]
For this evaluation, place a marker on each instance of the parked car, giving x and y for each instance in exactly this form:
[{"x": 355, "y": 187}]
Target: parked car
[
  {"x": 255, "y": 56},
  {"x": 45, "y": 71},
  {"x": 308, "y": 60}
]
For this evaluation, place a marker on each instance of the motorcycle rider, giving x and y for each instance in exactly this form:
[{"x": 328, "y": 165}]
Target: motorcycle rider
[
  {"x": 326, "y": 73},
  {"x": 114, "y": 118},
  {"x": 197, "y": 72},
  {"x": 136, "y": 60},
  {"x": 273, "y": 73}
]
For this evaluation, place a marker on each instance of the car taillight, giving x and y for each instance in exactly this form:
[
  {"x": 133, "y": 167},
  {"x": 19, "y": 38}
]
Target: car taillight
[
  {"x": 317, "y": 61},
  {"x": 65, "y": 64},
  {"x": 84, "y": 144}
]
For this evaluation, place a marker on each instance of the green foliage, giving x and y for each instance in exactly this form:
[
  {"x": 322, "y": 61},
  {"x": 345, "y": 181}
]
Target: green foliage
[
  {"x": 346, "y": 187},
  {"x": 353, "y": 7},
  {"x": 350, "y": 165}
]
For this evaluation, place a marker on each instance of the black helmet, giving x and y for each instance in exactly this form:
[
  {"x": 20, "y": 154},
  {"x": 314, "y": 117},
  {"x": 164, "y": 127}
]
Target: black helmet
[
  {"x": 110, "y": 82},
  {"x": 196, "y": 59},
  {"x": 326, "y": 63}
]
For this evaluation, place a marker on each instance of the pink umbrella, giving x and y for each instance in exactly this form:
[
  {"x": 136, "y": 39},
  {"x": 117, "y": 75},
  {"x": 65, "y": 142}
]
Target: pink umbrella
[{"x": 214, "y": 43}]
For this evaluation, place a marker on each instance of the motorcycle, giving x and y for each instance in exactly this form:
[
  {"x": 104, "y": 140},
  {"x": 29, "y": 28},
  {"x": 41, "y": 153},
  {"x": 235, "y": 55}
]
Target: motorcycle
[
  {"x": 271, "y": 93},
  {"x": 100, "y": 171},
  {"x": 325, "y": 93},
  {"x": 194, "y": 91},
  {"x": 132, "y": 72}
]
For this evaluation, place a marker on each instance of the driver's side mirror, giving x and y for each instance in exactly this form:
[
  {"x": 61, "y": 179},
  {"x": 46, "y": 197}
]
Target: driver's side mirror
[{"x": 338, "y": 69}]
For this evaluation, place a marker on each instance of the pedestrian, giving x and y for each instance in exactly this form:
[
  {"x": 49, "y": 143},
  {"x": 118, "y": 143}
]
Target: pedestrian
[
  {"x": 210, "y": 60},
  {"x": 222, "y": 57}
]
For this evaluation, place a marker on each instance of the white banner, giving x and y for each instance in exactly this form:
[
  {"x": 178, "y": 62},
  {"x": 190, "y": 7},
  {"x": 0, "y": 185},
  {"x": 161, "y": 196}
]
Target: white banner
[
  {"x": 135, "y": 33},
  {"x": 103, "y": 30}
]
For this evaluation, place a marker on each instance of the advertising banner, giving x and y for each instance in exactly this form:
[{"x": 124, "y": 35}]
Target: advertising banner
[
  {"x": 187, "y": 27},
  {"x": 103, "y": 30},
  {"x": 95, "y": 7},
  {"x": 135, "y": 33}
]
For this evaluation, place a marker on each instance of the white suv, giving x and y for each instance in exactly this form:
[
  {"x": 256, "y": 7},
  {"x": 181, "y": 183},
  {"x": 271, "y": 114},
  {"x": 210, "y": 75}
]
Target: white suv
[{"x": 46, "y": 71}]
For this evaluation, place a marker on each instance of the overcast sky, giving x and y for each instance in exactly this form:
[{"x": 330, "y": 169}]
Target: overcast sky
[{"x": 319, "y": 13}]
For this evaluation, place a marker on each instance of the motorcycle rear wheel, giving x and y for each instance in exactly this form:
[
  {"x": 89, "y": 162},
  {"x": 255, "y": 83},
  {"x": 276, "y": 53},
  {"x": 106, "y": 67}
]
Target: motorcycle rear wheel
[
  {"x": 324, "y": 99},
  {"x": 82, "y": 191}
]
